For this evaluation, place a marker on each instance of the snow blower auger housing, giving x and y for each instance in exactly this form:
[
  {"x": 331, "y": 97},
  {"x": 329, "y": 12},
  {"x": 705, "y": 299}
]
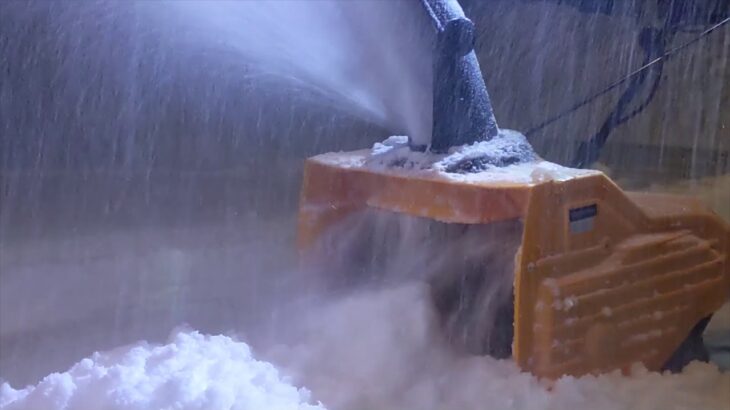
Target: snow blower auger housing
[{"x": 602, "y": 278}]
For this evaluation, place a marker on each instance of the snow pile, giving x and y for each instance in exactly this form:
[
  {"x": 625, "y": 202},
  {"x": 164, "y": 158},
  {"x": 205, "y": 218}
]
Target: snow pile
[{"x": 191, "y": 372}]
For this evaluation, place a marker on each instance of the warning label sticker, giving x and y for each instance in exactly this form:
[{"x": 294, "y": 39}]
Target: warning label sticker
[{"x": 583, "y": 218}]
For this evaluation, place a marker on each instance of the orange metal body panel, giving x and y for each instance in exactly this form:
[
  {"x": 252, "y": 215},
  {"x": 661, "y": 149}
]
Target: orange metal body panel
[{"x": 603, "y": 278}]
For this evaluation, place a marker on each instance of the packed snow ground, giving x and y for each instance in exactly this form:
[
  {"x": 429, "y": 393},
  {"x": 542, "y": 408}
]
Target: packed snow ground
[{"x": 376, "y": 349}]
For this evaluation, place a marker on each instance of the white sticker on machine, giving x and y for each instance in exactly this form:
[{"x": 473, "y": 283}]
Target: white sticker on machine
[{"x": 583, "y": 218}]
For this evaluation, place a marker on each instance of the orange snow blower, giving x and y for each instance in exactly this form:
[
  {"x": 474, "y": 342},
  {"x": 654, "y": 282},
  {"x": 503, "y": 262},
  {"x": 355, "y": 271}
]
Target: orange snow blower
[{"x": 602, "y": 278}]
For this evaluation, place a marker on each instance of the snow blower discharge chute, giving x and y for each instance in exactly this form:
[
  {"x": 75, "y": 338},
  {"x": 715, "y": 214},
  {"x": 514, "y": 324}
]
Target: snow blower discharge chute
[{"x": 603, "y": 278}]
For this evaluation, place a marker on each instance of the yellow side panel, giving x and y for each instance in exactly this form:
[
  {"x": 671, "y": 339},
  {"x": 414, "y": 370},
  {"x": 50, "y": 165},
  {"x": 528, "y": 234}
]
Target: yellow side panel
[{"x": 603, "y": 282}]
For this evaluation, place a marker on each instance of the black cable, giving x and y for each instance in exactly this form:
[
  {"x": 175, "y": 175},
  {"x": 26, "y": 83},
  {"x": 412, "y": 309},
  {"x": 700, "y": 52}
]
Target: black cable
[
  {"x": 660, "y": 59},
  {"x": 653, "y": 42}
]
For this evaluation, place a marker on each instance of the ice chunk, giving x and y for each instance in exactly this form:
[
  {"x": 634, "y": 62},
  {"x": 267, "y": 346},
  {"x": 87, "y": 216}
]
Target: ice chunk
[{"x": 570, "y": 302}]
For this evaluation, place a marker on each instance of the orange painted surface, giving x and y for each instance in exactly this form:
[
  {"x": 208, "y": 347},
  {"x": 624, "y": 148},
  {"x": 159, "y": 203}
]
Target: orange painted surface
[{"x": 603, "y": 278}]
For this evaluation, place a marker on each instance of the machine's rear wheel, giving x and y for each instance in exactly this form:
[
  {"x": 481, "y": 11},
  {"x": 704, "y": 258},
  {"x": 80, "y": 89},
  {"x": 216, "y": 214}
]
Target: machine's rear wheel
[{"x": 692, "y": 349}]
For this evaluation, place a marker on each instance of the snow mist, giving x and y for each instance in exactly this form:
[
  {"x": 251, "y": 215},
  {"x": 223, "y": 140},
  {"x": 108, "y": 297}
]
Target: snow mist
[
  {"x": 371, "y": 58},
  {"x": 401, "y": 301}
]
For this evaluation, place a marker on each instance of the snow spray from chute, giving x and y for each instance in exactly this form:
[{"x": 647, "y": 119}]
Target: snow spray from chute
[{"x": 370, "y": 58}]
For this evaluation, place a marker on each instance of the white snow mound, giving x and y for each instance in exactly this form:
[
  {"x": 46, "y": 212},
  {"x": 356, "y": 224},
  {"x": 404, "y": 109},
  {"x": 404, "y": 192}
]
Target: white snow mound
[{"x": 193, "y": 371}]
